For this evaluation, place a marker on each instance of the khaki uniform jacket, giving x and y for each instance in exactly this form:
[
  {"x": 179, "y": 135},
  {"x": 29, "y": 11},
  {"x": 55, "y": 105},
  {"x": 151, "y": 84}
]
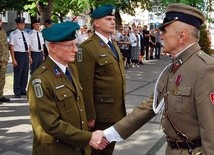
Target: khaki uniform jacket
[
  {"x": 57, "y": 112},
  {"x": 4, "y": 50},
  {"x": 103, "y": 79},
  {"x": 190, "y": 102}
]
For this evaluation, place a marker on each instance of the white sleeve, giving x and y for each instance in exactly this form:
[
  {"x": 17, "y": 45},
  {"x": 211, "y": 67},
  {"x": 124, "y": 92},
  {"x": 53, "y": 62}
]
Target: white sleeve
[{"x": 112, "y": 135}]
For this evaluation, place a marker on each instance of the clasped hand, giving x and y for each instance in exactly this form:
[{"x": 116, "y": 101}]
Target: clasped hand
[{"x": 98, "y": 141}]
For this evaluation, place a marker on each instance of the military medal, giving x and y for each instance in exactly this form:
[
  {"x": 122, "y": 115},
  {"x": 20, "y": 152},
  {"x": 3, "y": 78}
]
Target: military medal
[{"x": 177, "y": 83}]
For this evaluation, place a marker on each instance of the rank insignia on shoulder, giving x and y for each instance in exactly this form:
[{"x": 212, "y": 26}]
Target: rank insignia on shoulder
[
  {"x": 37, "y": 88},
  {"x": 57, "y": 71},
  {"x": 212, "y": 98}
]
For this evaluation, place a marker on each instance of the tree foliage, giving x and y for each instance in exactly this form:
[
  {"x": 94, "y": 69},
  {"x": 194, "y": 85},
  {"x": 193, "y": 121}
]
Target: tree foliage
[
  {"x": 12, "y": 5},
  {"x": 125, "y": 6}
]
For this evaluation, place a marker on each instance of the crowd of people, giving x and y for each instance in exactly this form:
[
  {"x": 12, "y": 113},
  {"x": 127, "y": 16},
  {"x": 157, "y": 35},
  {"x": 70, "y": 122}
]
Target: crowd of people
[
  {"x": 77, "y": 103},
  {"x": 136, "y": 42}
]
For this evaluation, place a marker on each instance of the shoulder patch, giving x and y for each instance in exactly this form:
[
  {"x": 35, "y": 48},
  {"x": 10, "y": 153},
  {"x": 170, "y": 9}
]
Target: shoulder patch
[
  {"x": 206, "y": 58},
  {"x": 37, "y": 87}
]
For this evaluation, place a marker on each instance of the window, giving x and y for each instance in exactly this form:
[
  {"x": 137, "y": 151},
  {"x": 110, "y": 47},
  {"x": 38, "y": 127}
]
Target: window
[{"x": 4, "y": 16}]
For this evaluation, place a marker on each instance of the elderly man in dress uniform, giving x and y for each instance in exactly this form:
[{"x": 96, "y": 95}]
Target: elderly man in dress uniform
[
  {"x": 102, "y": 75},
  {"x": 55, "y": 96},
  {"x": 19, "y": 49},
  {"x": 4, "y": 56},
  {"x": 184, "y": 90}
]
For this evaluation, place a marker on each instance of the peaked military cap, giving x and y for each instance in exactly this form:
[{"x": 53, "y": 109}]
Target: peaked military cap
[
  {"x": 64, "y": 31},
  {"x": 20, "y": 20},
  {"x": 103, "y": 10},
  {"x": 183, "y": 13},
  {"x": 35, "y": 21}
]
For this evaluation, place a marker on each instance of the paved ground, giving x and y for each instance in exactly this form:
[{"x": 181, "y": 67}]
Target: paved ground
[{"x": 16, "y": 131}]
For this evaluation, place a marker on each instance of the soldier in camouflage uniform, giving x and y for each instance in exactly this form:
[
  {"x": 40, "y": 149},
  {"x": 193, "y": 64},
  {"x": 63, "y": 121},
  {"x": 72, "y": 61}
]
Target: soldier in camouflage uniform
[{"x": 4, "y": 55}]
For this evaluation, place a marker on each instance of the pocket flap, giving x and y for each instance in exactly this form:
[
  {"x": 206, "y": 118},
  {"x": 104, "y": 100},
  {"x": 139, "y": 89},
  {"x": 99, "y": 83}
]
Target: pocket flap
[
  {"x": 184, "y": 91},
  {"x": 104, "y": 61},
  {"x": 63, "y": 93}
]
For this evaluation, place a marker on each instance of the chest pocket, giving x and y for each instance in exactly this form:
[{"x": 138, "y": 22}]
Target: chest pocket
[
  {"x": 105, "y": 66},
  {"x": 65, "y": 99},
  {"x": 182, "y": 100}
]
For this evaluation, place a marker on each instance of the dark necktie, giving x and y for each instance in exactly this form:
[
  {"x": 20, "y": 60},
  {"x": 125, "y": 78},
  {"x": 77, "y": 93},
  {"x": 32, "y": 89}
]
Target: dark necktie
[
  {"x": 39, "y": 44},
  {"x": 25, "y": 43},
  {"x": 68, "y": 74},
  {"x": 113, "y": 49},
  {"x": 137, "y": 40}
]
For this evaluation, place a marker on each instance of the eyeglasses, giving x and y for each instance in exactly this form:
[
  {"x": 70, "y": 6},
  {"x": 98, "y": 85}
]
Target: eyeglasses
[
  {"x": 70, "y": 46},
  {"x": 169, "y": 19}
]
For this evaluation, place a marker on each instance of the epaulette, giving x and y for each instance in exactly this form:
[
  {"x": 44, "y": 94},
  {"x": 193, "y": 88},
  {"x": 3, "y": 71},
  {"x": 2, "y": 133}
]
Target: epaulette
[
  {"x": 87, "y": 41},
  {"x": 30, "y": 32},
  {"x": 41, "y": 69},
  {"x": 206, "y": 58},
  {"x": 14, "y": 32}
]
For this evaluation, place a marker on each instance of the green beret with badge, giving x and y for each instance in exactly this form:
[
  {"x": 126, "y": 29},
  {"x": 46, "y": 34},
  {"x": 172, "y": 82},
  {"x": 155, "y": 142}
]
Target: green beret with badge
[
  {"x": 102, "y": 11},
  {"x": 64, "y": 31}
]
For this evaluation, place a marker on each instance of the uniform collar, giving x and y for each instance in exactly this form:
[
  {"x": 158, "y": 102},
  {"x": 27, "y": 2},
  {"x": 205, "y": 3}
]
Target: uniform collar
[
  {"x": 61, "y": 66},
  {"x": 102, "y": 37}
]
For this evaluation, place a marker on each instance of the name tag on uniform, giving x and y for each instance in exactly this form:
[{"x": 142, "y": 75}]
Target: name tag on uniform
[
  {"x": 103, "y": 55},
  {"x": 58, "y": 87}
]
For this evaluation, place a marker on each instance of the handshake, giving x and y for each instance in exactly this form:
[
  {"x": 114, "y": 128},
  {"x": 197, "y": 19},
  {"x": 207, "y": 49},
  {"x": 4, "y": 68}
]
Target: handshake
[{"x": 98, "y": 140}]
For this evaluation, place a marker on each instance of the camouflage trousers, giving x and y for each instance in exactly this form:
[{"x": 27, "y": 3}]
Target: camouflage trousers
[{"x": 3, "y": 68}]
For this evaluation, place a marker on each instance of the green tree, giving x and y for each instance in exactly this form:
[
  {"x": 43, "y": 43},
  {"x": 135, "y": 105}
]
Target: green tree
[
  {"x": 56, "y": 9},
  {"x": 12, "y": 5},
  {"x": 125, "y": 6}
]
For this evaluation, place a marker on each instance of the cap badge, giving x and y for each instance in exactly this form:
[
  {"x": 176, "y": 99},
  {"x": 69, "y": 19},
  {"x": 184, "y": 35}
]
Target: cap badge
[{"x": 113, "y": 11}]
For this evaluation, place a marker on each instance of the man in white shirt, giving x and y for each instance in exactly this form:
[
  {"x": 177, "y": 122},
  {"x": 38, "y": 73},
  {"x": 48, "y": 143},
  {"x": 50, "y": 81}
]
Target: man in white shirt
[
  {"x": 37, "y": 44},
  {"x": 19, "y": 48}
]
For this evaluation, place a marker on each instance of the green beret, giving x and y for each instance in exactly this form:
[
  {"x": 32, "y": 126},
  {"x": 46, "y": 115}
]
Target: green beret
[
  {"x": 20, "y": 20},
  {"x": 103, "y": 10},
  {"x": 183, "y": 13},
  {"x": 64, "y": 31}
]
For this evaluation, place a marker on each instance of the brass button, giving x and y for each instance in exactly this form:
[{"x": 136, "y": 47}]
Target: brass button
[{"x": 65, "y": 95}]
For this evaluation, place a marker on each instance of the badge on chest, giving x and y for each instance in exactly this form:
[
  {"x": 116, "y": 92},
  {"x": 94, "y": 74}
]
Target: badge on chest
[{"x": 178, "y": 81}]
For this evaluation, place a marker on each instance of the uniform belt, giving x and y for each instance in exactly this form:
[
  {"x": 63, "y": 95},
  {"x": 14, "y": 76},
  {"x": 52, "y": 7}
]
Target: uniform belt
[{"x": 176, "y": 144}]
